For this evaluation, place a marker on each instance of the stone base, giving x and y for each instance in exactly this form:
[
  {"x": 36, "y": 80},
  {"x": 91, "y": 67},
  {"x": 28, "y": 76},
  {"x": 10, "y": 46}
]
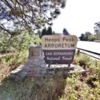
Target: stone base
[
  {"x": 36, "y": 66},
  {"x": 35, "y": 72}
]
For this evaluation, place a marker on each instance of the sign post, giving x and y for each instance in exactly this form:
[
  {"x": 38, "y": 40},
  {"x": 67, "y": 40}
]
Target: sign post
[{"x": 59, "y": 50}]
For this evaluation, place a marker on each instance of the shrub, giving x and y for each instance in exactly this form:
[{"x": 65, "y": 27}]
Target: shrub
[
  {"x": 97, "y": 41},
  {"x": 21, "y": 41}
]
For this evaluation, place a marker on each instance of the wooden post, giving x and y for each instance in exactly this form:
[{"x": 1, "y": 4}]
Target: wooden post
[
  {"x": 68, "y": 65},
  {"x": 78, "y": 52}
]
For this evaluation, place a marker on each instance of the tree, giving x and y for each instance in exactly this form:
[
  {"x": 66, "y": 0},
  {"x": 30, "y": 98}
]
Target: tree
[
  {"x": 65, "y": 32},
  {"x": 54, "y": 33},
  {"x": 28, "y": 14},
  {"x": 92, "y": 37},
  {"x": 18, "y": 42},
  {"x": 97, "y": 30},
  {"x": 49, "y": 31},
  {"x": 87, "y": 34},
  {"x": 39, "y": 32},
  {"x": 44, "y": 32},
  {"x": 84, "y": 37}
]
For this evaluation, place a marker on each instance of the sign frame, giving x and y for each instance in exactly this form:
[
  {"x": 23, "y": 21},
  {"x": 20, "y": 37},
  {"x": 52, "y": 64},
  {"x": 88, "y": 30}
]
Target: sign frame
[{"x": 58, "y": 49}]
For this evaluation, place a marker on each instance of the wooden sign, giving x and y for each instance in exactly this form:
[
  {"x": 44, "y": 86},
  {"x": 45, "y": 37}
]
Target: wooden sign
[{"x": 59, "y": 50}]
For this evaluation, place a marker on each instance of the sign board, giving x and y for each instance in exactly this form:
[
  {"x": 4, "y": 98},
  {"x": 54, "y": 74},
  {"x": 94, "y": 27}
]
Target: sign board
[{"x": 59, "y": 50}]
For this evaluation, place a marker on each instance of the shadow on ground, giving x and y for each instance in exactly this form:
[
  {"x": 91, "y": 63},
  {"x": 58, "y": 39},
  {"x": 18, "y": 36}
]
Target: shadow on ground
[{"x": 48, "y": 88}]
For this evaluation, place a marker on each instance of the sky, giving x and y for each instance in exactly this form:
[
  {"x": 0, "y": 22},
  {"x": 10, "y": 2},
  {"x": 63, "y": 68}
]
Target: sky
[{"x": 78, "y": 17}]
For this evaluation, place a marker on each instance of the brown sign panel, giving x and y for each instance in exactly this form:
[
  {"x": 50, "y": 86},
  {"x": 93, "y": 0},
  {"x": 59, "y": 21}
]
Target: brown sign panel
[{"x": 59, "y": 50}]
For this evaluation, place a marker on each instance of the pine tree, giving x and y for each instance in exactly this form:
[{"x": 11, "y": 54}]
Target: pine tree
[
  {"x": 53, "y": 33},
  {"x": 49, "y": 31},
  {"x": 65, "y": 32},
  {"x": 44, "y": 31}
]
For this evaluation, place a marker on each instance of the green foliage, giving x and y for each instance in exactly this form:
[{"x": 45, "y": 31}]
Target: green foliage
[
  {"x": 82, "y": 37},
  {"x": 57, "y": 11},
  {"x": 92, "y": 37},
  {"x": 28, "y": 14},
  {"x": 84, "y": 59},
  {"x": 97, "y": 40},
  {"x": 98, "y": 36},
  {"x": 77, "y": 86},
  {"x": 49, "y": 31},
  {"x": 87, "y": 37},
  {"x": 65, "y": 32},
  {"x": 10, "y": 62},
  {"x": 21, "y": 41},
  {"x": 37, "y": 42},
  {"x": 97, "y": 30},
  {"x": 46, "y": 32},
  {"x": 54, "y": 33}
]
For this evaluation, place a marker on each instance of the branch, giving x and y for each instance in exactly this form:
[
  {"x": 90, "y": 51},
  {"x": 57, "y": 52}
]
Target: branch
[{"x": 3, "y": 28}]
